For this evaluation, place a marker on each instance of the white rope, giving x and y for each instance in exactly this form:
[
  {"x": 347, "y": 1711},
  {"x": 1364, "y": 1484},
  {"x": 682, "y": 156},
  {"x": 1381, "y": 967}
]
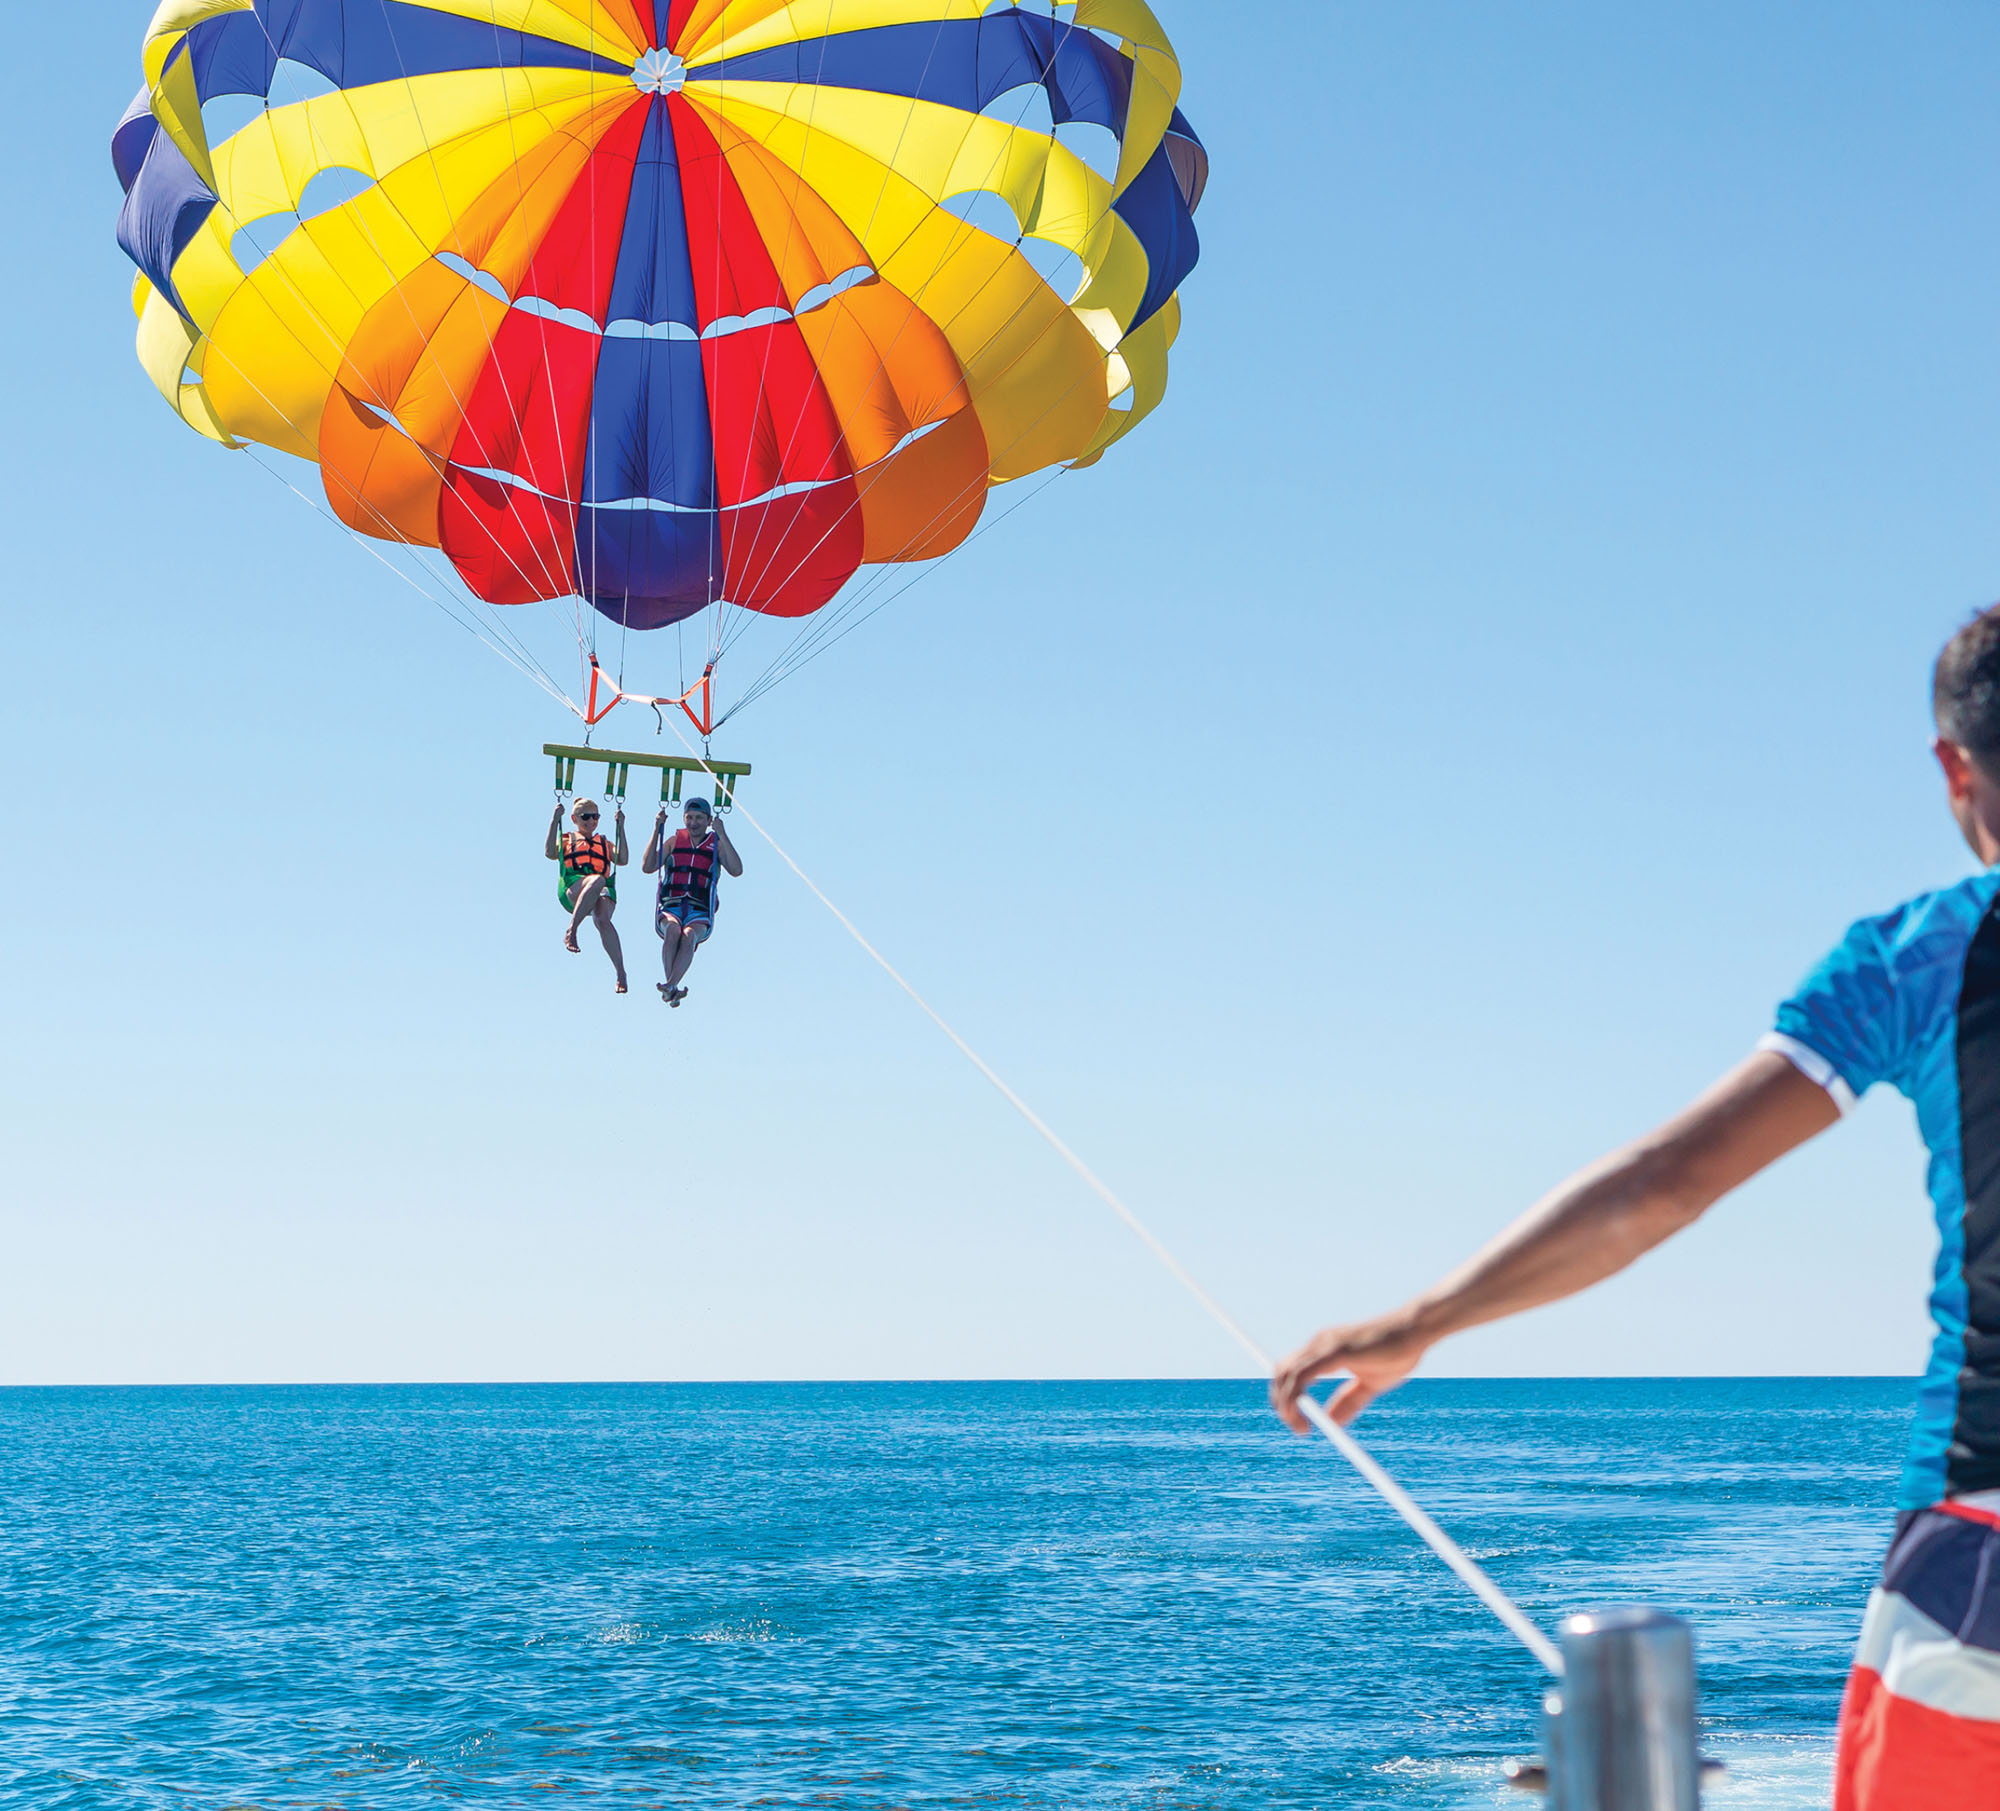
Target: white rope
[
  {"x": 1413, "y": 1513},
  {"x": 1462, "y": 1563}
]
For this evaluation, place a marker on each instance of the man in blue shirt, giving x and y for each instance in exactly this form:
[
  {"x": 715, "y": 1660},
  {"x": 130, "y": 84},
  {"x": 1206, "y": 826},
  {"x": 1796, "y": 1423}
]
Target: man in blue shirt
[{"x": 1911, "y": 998}]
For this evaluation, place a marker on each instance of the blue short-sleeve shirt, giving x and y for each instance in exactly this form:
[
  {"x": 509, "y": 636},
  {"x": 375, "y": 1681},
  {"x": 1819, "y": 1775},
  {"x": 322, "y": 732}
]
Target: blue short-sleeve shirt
[{"x": 1912, "y": 998}]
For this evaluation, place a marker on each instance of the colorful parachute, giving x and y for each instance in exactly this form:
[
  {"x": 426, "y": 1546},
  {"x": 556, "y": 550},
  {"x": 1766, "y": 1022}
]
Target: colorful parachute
[{"x": 662, "y": 303}]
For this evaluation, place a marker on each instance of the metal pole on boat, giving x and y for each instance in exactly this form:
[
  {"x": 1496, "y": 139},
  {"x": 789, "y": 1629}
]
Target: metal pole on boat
[
  {"x": 1627, "y": 1738},
  {"x": 1620, "y": 1734}
]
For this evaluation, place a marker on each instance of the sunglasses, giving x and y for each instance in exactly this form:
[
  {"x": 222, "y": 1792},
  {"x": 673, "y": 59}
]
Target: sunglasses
[{"x": 586, "y": 817}]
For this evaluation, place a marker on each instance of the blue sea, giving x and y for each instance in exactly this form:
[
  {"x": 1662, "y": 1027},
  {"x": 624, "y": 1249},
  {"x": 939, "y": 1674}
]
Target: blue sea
[{"x": 995, "y": 1595}]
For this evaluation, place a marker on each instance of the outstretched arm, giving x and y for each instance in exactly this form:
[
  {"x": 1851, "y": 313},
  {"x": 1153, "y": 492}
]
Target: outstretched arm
[
  {"x": 553, "y": 848},
  {"x": 1586, "y": 1230},
  {"x": 649, "y": 862},
  {"x": 624, "y": 854},
  {"x": 732, "y": 863}
]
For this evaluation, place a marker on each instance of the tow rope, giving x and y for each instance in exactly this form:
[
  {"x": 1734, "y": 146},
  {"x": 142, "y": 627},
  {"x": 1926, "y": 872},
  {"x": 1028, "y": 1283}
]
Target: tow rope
[{"x": 1414, "y": 1515}]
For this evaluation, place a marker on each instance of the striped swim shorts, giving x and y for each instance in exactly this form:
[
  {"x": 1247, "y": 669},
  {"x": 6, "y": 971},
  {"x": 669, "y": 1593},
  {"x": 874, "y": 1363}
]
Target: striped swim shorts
[{"x": 1920, "y": 1725}]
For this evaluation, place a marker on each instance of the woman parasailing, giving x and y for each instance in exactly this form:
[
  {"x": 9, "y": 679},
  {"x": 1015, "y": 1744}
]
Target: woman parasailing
[{"x": 587, "y": 881}]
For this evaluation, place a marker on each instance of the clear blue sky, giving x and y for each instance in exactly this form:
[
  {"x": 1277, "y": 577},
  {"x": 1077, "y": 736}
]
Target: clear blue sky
[{"x": 1416, "y": 760}]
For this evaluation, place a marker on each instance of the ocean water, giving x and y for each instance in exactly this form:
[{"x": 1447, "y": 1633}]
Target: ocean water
[{"x": 994, "y": 1595}]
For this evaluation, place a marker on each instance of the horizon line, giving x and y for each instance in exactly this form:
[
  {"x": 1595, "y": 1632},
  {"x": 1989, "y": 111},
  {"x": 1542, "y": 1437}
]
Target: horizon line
[{"x": 776, "y": 1383}]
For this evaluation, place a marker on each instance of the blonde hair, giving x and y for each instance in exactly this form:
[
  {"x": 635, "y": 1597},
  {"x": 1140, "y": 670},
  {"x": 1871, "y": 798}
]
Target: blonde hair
[{"x": 581, "y": 804}]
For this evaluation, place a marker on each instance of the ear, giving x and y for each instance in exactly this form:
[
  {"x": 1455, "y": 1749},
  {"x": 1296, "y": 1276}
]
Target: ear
[{"x": 1959, "y": 774}]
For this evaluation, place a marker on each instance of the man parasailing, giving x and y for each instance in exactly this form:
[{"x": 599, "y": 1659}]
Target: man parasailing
[
  {"x": 1911, "y": 998},
  {"x": 587, "y": 881},
  {"x": 690, "y": 864}
]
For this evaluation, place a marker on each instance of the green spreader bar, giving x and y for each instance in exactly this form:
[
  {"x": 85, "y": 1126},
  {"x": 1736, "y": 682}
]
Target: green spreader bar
[{"x": 674, "y": 769}]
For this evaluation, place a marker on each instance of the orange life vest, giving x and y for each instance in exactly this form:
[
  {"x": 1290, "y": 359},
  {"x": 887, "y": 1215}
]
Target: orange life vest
[{"x": 582, "y": 854}]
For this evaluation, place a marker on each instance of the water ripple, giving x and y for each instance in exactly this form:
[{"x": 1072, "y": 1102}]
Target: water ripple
[{"x": 1034, "y": 1595}]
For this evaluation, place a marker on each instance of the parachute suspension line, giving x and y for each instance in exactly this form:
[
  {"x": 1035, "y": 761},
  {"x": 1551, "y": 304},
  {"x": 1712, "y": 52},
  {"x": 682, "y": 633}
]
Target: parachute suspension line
[
  {"x": 882, "y": 574},
  {"x": 719, "y": 636},
  {"x": 586, "y": 485},
  {"x": 520, "y": 657},
  {"x": 825, "y": 627},
  {"x": 841, "y": 617},
  {"x": 313, "y": 314},
  {"x": 520, "y": 196},
  {"x": 525, "y": 664},
  {"x": 465, "y": 612},
  {"x": 493, "y": 360},
  {"x": 822, "y": 623},
  {"x": 722, "y": 637},
  {"x": 828, "y": 626},
  {"x": 957, "y": 236},
  {"x": 1413, "y": 1514},
  {"x": 302, "y": 100},
  {"x": 810, "y": 644},
  {"x": 348, "y": 528},
  {"x": 713, "y": 616}
]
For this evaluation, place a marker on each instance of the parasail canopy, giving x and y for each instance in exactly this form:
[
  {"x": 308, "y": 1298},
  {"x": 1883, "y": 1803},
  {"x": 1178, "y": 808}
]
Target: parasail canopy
[{"x": 660, "y": 305}]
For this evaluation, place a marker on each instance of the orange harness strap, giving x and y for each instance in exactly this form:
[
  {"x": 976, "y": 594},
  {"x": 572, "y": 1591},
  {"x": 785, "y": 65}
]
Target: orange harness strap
[{"x": 702, "y": 689}]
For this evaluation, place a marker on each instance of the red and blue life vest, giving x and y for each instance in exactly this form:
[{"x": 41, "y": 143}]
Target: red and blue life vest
[{"x": 689, "y": 868}]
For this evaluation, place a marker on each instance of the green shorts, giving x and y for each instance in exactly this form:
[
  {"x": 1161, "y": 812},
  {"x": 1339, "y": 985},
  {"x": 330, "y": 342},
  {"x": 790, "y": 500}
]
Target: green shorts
[{"x": 570, "y": 883}]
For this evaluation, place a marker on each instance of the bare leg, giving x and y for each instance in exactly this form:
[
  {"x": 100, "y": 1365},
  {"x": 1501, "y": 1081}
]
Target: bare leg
[
  {"x": 683, "y": 955},
  {"x": 609, "y": 933},
  {"x": 586, "y": 903}
]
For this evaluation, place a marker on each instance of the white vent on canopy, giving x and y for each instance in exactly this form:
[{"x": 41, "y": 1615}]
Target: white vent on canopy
[{"x": 659, "y": 72}]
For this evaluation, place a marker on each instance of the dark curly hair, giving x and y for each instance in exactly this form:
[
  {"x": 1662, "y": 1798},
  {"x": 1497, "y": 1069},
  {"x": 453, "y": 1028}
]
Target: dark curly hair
[{"x": 1965, "y": 690}]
